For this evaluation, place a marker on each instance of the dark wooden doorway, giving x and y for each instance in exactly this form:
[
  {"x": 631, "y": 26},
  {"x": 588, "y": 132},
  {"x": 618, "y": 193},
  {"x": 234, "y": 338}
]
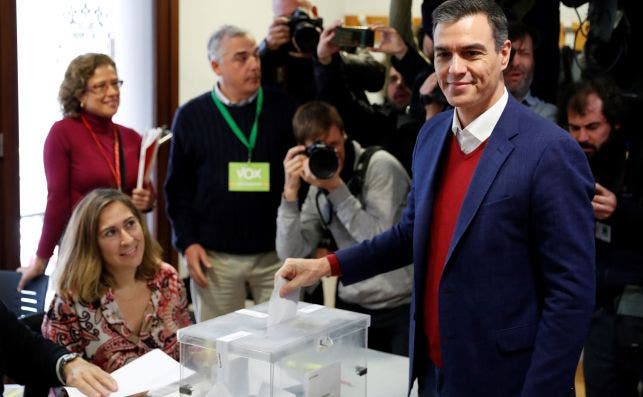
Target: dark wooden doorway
[
  {"x": 167, "y": 96},
  {"x": 9, "y": 179}
]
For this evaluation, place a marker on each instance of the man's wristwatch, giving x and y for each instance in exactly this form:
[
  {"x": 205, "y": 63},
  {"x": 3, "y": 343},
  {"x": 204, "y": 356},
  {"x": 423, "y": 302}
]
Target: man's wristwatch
[{"x": 62, "y": 361}]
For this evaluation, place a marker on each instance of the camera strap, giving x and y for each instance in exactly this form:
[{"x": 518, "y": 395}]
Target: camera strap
[
  {"x": 250, "y": 144},
  {"x": 356, "y": 183}
]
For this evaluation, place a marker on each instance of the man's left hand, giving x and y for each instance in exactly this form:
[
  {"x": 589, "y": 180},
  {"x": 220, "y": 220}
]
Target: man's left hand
[
  {"x": 325, "y": 47},
  {"x": 391, "y": 43}
]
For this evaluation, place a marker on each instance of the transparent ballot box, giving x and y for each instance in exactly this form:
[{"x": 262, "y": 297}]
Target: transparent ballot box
[{"x": 319, "y": 352}]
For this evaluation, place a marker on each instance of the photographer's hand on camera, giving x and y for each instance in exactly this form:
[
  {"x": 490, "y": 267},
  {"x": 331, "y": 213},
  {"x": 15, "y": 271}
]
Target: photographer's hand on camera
[
  {"x": 391, "y": 42},
  {"x": 294, "y": 172},
  {"x": 326, "y": 48},
  {"x": 278, "y": 33}
]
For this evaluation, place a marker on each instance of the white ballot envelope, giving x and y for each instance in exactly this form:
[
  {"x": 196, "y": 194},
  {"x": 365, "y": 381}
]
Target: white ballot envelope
[{"x": 282, "y": 309}]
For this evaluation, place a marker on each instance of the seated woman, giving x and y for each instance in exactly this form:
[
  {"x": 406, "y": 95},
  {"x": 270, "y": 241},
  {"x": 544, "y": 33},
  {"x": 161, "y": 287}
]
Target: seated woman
[{"x": 115, "y": 299}]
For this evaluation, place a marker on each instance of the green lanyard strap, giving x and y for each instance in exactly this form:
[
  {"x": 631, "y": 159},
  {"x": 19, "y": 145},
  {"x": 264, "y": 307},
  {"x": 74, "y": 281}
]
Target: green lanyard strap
[{"x": 235, "y": 128}]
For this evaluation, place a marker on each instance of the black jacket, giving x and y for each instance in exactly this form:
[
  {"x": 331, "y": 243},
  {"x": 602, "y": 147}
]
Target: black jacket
[
  {"x": 25, "y": 357},
  {"x": 618, "y": 166}
]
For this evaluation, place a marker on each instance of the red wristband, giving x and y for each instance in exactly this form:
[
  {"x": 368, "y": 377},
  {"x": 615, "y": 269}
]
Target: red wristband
[{"x": 335, "y": 270}]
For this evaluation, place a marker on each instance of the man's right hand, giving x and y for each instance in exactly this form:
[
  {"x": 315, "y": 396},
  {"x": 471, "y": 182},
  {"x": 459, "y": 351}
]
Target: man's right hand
[
  {"x": 294, "y": 171},
  {"x": 196, "y": 259},
  {"x": 278, "y": 33},
  {"x": 89, "y": 379},
  {"x": 35, "y": 269},
  {"x": 302, "y": 273}
]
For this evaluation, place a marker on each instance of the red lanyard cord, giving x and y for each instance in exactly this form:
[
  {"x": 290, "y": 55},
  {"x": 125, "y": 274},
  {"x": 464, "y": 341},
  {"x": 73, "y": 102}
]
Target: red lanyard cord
[{"x": 115, "y": 169}]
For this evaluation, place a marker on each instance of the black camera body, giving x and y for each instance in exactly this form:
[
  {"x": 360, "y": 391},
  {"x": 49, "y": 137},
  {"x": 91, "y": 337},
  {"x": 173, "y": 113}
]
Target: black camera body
[
  {"x": 322, "y": 160},
  {"x": 305, "y": 31},
  {"x": 356, "y": 36}
]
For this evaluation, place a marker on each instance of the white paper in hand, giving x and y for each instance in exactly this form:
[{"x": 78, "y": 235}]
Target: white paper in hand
[
  {"x": 153, "y": 370},
  {"x": 281, "y": 309}
]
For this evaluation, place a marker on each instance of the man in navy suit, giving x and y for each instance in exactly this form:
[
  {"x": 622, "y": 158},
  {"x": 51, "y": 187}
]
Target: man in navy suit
[{"x": 498, "y": 224}]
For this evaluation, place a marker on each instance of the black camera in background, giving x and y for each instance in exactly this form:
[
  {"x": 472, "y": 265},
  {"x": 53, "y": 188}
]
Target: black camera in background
[
  {"x": 354, "y": 37},
  {"x": 305, "y": 31}
]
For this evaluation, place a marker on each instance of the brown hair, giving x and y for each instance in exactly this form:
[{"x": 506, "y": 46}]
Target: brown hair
[
  {"x": 574, "y": 99},
  {"x": 79, "y": 71},
  {"x": 313, "y": 119},
  {"x": 80, "y": 271}
]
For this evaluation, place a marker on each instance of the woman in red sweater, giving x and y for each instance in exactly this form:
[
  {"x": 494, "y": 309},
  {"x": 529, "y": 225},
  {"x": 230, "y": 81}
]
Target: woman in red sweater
[{"x": 86, "y": 150}]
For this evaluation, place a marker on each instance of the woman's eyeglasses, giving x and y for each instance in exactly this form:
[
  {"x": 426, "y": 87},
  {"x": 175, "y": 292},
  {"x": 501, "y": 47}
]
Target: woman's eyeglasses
[{"x": 102, "y": 88}]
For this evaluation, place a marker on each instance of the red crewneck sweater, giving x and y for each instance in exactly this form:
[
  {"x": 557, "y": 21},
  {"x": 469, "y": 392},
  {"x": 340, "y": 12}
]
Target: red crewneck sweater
[
  {"x": 74, "y": 166},
  {"x": 457, "y": 171}
]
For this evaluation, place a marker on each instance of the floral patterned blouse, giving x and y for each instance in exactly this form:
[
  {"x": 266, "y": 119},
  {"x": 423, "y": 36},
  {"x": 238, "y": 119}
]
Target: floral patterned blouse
[{"x": 99, "y": 332}]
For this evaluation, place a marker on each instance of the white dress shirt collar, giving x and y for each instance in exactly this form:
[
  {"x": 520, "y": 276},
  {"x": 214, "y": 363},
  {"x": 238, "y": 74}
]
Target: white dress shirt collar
[
  {"x": 481, "y": 127},
  {"x": 228, "y": 102}
]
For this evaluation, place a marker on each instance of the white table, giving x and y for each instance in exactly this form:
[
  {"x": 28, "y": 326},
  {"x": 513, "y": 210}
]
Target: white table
[{"x": 387, "y": 375}]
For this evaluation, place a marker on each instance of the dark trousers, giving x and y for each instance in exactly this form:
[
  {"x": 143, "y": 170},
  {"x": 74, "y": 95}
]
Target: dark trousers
[
  {"x": 613, "y": 367},
  {"x": 389, "y": 330}
]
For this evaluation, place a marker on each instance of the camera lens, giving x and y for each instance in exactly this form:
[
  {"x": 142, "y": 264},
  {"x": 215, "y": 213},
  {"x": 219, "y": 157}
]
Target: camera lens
[
  {"x": 322, "y": 161},
  {"x": 306, "y": 37},
  {"x": 305, "y": 31}
]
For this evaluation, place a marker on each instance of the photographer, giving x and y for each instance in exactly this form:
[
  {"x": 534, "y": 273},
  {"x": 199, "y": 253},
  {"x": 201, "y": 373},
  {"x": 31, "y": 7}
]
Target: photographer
[
  {"x": 394, "y": 124},
  {"x": 613, "y": 361},
  {"x": 288, "y": 49},
  {"x": 347, "y": 205}
]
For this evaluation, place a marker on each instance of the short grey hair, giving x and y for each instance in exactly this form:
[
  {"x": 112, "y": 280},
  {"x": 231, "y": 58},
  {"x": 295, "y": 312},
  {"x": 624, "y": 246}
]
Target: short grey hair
[
  {"x": 453, "y": 10},
  {"x": 223, "y": 32}
]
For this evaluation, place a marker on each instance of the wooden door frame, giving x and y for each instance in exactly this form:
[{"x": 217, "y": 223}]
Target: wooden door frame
[
  {"x": 167, "y": 97},
  {"x": 9, "y": 175}
]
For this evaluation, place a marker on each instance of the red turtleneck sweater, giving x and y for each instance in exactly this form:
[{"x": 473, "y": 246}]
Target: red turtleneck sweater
[{"x": 74, "y": 166}]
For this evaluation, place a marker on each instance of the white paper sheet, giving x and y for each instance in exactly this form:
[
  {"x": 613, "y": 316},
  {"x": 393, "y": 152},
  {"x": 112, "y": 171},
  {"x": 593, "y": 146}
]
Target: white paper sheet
[
  {"x": 323, "y": 382},
  {"x": 153, "y": 370},
  {"x": 147, "y": 157},
  {"x": 282, "y": 309}
]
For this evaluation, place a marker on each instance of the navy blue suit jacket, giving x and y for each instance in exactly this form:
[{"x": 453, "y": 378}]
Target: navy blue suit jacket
[
  {"x": 517, "y": 289},
  {"x": 26, "y": 357}
]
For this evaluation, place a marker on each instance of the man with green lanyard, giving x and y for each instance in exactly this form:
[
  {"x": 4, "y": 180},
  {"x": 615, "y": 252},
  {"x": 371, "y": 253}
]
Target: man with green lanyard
[{"x": 225, "y": 177}]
